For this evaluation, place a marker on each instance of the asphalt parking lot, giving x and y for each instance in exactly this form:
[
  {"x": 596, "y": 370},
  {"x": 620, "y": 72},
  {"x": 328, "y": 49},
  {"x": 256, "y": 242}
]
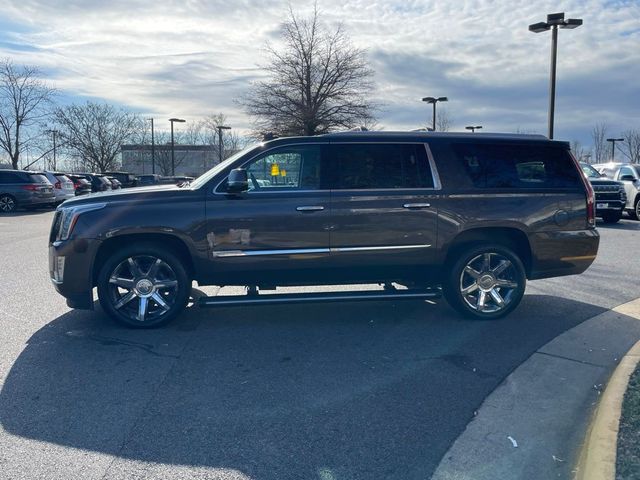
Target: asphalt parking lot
[{"x": 328, "y": 391}]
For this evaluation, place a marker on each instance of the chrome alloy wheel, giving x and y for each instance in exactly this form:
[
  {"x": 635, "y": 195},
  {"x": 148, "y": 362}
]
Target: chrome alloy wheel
[
  {"x": 7, "y": 204},
  {"x": 143, "y": 288},
  {"x": 487, "y": 282}
]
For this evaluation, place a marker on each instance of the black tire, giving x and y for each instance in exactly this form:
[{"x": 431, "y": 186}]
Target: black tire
[
  {"x": 635, "y": 213},
  {"x": 611, "y": 217},
  {"x": 497, "y": 281},
  {"x": 134, "y": 294},
  {"x": 8, "y": 203}
]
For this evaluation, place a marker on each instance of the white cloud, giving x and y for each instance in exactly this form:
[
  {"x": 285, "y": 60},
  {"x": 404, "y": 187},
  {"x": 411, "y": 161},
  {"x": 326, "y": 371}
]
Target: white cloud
[{"x": 191, "y": 58}]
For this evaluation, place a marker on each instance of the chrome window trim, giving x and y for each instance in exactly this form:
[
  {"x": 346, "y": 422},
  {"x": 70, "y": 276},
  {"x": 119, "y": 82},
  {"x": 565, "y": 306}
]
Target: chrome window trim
[
  {"x": 435, "y": 176},
  {"x": 301, "y": 251}
]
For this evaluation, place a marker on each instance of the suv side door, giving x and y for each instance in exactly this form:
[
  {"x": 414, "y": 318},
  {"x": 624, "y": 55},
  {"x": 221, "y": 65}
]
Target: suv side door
[
  {"x": 279, "y": 228},
  {"x": 631, "y": 187},
  {"x": 384, "y": 209}
]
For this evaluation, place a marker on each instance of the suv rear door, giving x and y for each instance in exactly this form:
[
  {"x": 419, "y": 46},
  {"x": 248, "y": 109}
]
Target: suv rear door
[{"x": 384, "y": 208}]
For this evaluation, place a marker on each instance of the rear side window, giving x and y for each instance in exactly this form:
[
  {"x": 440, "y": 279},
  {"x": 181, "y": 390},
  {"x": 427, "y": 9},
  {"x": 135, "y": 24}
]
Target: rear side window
[
  {"x": 38, "y": 178},
  {"x": 381, "y": 166},
  {"x": 518, "y": 166}
]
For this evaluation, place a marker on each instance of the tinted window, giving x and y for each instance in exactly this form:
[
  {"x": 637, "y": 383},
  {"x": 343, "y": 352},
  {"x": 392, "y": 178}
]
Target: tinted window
[
  {"x": 38, "y": 178},
  {"x": 626, "y": 171},
  {"x": 375, "y": 166},
  {"x": 518, "y": 166},
  {"x": 287, "y": 168},
  {"x": 8, "y": 177}
]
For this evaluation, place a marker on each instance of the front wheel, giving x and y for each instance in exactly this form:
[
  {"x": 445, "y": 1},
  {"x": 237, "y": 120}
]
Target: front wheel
[
  {"x": 143, "y": 286},
  {"x": 635, "y": 213},
  {"x": 485, "y": 282}
]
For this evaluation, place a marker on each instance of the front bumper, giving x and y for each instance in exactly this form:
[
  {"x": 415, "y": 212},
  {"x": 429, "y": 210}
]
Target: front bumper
[{"x": 73, "y": 276}]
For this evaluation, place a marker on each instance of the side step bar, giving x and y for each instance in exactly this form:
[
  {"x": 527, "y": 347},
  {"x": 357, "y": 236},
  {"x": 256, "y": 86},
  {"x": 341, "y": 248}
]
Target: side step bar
[{"x": 284, "y": 298}]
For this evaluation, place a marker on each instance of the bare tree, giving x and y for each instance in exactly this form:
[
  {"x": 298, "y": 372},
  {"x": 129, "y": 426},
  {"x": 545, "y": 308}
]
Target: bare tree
[
  {"x": 581, "y": 153},
  {"x": 598, "y": 136},
  {"x": 95, "y": 132},
  {"x": 443, "y": 120},
  {"x": 630, "y": 148},
  {"x": 317, "y": 83},
  {"x": 231, "y": 140},
  {"x": 25, "y": 100}
]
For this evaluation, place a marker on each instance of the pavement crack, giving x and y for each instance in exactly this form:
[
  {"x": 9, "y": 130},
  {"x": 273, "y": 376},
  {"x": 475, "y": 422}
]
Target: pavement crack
[
  {"x": 108, "y": 341},
  {"x": 562, "y": 357}
]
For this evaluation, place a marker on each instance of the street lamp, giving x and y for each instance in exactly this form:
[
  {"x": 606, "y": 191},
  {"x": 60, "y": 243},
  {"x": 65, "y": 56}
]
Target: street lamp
[
  {"x": 554, "y": 21},
  {"x": 173, "y": 158},
  {"x": 220, "y": 150},
  {"x": 613, "y": 145},
  {"x": 153, "y": 148},
  {"x": 473, "y": 129},
  {"x": 433, "y": 101},
  {"x": 54, "y": 133}
]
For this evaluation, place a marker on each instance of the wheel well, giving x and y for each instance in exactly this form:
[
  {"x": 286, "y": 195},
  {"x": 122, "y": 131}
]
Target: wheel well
[
  {"x": 170, "y": 242},
  {"x": 511, "y": 238}
]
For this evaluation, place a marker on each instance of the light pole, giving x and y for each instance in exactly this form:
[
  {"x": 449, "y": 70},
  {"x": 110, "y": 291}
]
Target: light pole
[
  {"x": 153, "y": 148},
  {"x": 613, "y": 145},
  {"x": 220, "y": 149},
  {"x": 473, "y": 128},
  {"x": 433, "y": 101},
  {"x": 54, "y": 134},
  {"x": 554, "y": 21},
  {"x": 173, "y": 158}
]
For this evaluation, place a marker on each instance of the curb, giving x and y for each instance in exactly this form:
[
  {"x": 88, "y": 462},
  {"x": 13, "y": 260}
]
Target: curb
[{"x": 597, "y": 459}]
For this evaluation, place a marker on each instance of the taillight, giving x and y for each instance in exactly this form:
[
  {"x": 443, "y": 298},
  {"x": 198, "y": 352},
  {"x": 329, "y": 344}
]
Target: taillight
[
  {"x": 58, "y": 185},
  {"x": 32, "y": 187}
]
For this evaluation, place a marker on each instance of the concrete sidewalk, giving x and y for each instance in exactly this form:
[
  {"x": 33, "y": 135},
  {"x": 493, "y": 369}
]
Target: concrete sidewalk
[{"x": 534, "y": 423}]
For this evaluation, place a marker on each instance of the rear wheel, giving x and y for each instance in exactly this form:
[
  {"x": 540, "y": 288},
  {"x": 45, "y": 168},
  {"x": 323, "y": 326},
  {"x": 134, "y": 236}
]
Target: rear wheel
[
  {"x": 7, "y": 204},
  {"x": 485, "y": 282},
  {"x": 143, "y": 286},
  {"x": 611, "y": 217}
]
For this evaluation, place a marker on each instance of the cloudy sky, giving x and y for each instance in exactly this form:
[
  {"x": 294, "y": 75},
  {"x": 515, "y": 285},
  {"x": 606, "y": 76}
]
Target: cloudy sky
[{"x": 190, "y": 58}]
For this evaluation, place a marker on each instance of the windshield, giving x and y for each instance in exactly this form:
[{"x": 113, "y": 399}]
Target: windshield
[
  {"x": 589, "y": 171},
  {"x": 205, "y": 177}
]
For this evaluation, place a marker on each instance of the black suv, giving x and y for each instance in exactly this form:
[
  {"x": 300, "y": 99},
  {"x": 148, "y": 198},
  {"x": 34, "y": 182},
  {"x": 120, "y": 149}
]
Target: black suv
[
  {"x": 610, "y": 196},
  {"x": 472, "y": 215}
]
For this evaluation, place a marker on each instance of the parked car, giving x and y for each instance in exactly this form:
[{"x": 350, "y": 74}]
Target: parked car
[
  {"x": 629, "y": 175},
  {"x": 62, "y": 185},
  {"x": 99, "y": 182},
  {"x": 126, "y": 179},
  {"x": 81, "y": 184},
  {"x": 20, "y": 188},
  {"x": 610, "y": 195},
  {"x": 115, "y": 183},
  {"x": 175, "y": 180},
  {"x": 474, "y": 215},
  {"x": 146, "y": 180}
]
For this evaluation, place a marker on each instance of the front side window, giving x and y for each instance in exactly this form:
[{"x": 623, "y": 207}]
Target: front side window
[
  {"x": 380, "y": 166},
  {"x": 517, "y": 166},
  {"x": 287, "y": 168},
  {"x": 626, "y": 171}
]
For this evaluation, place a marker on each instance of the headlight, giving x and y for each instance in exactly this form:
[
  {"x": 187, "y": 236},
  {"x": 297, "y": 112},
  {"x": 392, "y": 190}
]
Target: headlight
[{"x": 70, "y": 217}]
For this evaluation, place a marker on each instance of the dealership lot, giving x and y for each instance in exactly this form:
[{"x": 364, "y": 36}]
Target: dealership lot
[{"x": 328, "y": 391}]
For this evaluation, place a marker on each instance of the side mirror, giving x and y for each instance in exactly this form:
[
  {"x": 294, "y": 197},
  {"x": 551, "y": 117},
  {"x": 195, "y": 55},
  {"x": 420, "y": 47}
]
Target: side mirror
[
  {"x": 627, "y": 178},
  {"x": 238, "y": 181}
]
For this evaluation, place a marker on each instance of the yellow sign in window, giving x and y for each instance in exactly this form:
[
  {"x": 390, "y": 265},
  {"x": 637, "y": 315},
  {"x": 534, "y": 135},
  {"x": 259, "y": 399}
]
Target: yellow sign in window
[{"x": 275, "y": 170}]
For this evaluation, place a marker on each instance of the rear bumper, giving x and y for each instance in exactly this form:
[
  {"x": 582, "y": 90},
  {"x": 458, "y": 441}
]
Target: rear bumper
[
  {"x": 556, "y": 254},
  {"x": 73, "y": 276}
]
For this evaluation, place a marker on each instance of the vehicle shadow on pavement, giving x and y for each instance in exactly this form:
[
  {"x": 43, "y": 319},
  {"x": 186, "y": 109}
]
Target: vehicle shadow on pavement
[
  {"x": 344, "y": 391},
  {"x": 622, "y": 225}
]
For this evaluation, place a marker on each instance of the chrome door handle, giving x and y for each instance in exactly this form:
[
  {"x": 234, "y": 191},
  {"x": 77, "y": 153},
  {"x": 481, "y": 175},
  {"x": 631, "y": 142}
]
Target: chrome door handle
[
  {"x": 310, "y": 208},
  {"x": 416, "y": 205}
]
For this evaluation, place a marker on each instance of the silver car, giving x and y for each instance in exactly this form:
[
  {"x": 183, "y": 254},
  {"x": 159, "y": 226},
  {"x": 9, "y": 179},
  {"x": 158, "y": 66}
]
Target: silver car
[{"x": 62, "y": 185}]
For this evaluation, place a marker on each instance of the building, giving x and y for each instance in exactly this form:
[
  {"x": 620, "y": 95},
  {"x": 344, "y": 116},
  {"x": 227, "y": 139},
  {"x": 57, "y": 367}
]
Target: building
[{"x": 190, "y": 160}]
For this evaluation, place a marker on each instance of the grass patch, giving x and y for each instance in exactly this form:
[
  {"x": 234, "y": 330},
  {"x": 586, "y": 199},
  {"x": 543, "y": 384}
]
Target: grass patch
[{"x": 628, "y": 459}]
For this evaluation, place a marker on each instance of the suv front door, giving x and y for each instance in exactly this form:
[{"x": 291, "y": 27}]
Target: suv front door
[
  {"x": 285, "y": 214},
  {"x": 384, "y": 210}
]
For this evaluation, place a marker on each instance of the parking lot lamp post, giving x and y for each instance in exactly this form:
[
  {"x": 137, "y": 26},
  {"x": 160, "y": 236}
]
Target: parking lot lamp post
[
  {"x": 433, "y": 101},
  {"x": 173, "y": 157},
  {"x": 554, "y": 21},
  {"x": 54, "y": 134},
  {"x": 220, "y": 148},
  {"x": 153, "y": 149},
  {"x": 473, "y": 128},
  {"x": 613, "y": 145}
]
